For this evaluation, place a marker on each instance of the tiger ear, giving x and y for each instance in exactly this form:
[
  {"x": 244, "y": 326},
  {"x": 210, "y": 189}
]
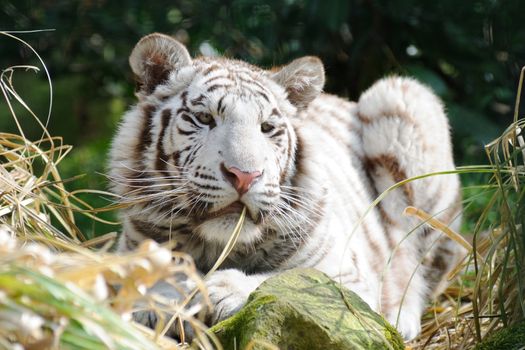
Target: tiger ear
[
  {"x": 303, "y": 80},
  {"x": 154, "y": 57}
]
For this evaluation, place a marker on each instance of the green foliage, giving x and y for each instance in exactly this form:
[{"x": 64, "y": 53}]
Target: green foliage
[{"x": 73, "y": 318}]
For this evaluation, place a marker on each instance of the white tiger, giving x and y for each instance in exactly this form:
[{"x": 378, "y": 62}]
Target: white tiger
[{"x": 210, "y": 136}]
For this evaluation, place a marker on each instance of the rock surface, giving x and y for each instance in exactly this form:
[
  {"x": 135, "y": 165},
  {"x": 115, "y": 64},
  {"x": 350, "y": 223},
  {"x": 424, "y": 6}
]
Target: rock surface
[{"x": 305, "y": 309}]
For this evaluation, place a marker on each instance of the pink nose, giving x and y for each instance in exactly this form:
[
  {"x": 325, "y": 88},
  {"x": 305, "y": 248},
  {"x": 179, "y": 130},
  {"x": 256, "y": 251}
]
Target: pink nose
[{"x": 241, "y": 180}]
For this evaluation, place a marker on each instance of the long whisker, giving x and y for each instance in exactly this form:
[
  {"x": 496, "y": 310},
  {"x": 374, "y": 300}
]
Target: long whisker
[
  {"x": 284, "y": 230},
  {"x": 295, "y": 221},
  {"x": 144, "y": 171},
  {"x": 156, "y": 198},
  {"x": 144, "y": 179},
  {"x": 193, "y": 202},
  {"x": 301, "y": 204},
  {"x": 309, "y": 211},
  {"x": 140, "y": 195}
]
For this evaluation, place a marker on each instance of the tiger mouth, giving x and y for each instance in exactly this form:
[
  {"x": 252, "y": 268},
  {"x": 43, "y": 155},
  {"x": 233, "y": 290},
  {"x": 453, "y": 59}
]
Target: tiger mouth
[{"x": 234, "y": 208}]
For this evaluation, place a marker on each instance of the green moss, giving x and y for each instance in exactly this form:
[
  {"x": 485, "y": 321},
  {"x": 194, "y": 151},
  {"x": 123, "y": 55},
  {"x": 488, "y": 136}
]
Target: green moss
[
  {"x": 228, "y": 330},
  {"x": 305, "y": 309},
  {"x": 392, "y": 335},
  {"x": 511, "y": 338}
]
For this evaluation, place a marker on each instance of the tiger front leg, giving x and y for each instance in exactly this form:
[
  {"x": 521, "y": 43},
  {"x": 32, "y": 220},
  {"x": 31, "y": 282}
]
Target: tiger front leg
[
  {"x": 228, "y": 291},
  {"x": 165, "y": 296}
]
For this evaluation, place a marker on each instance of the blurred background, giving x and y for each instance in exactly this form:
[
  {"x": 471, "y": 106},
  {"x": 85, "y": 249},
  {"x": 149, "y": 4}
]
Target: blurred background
[{"x": 469, "y": 52}]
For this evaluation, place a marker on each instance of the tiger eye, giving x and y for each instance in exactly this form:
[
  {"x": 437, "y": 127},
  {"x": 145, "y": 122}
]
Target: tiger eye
[
  {"x": 204, "y": 118},
  {"x": 266, "y": 127}
]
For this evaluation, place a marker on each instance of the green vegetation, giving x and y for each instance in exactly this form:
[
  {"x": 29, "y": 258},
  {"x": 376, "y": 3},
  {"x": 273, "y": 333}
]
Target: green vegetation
[{"x": 512, "y": 338}]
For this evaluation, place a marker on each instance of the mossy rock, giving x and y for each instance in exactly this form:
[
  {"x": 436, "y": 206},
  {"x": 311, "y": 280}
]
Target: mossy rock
[
  {"x": 305, "y": 309},
  {"x": 511, "y": 338}
]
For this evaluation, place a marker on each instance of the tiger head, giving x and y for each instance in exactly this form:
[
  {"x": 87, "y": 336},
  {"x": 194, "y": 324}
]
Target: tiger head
[{"x": 210, "y": 136}]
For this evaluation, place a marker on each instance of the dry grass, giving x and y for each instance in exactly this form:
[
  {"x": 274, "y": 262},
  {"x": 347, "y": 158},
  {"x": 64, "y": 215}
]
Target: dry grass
[
  {"x": 56, "y": 289},
  {"x": 489, "y": 292}
]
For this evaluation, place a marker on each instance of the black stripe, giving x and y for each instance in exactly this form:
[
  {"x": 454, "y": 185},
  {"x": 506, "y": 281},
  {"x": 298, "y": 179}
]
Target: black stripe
[
  {"x": 189, "y": 119},
  {"x": 145, "y": 134},
  {"x": 150, "y": 230},
  {"x": 206, "y": 177},
  {"x": 185, "y": 149},
  {"x": 176, "y": 158},
  {"x": 162, "y": 157},
  {"x": 184, "y": 97},
  {"x": 206, "y": 187},
  {"x": 263, "y": 95},
  {"x": 208, "y": 196},
  {"x": 179, "y": 227},
  {"x": 215, "y": 78},
  {"x": 257, "y": 88},
  {"x": 198, "y": 100},
  {"x": 182, "y": 109},
  {"x": 184, "y": 132},
  {"x": 278, "y": 133},
  {"x": 191, "y": 156},
  {"x": 217, "y": 86},
  {"x": 220, "y": 109},
  {"x": 251, "y": 82}
]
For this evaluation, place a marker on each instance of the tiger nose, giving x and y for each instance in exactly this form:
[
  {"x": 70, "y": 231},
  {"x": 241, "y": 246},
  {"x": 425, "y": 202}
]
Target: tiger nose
[{"x": 241, "y": 180}]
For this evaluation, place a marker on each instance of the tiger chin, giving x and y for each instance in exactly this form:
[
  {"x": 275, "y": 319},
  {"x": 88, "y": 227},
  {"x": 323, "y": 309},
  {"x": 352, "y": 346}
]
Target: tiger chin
[{"x": 211, "y": 136}]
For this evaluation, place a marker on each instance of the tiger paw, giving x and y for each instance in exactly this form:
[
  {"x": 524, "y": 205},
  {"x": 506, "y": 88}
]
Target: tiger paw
[
  {"x": 170, "y": 295},
  {"x": 228, "y": 291},
  {"x": 408, "y": 323}
]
